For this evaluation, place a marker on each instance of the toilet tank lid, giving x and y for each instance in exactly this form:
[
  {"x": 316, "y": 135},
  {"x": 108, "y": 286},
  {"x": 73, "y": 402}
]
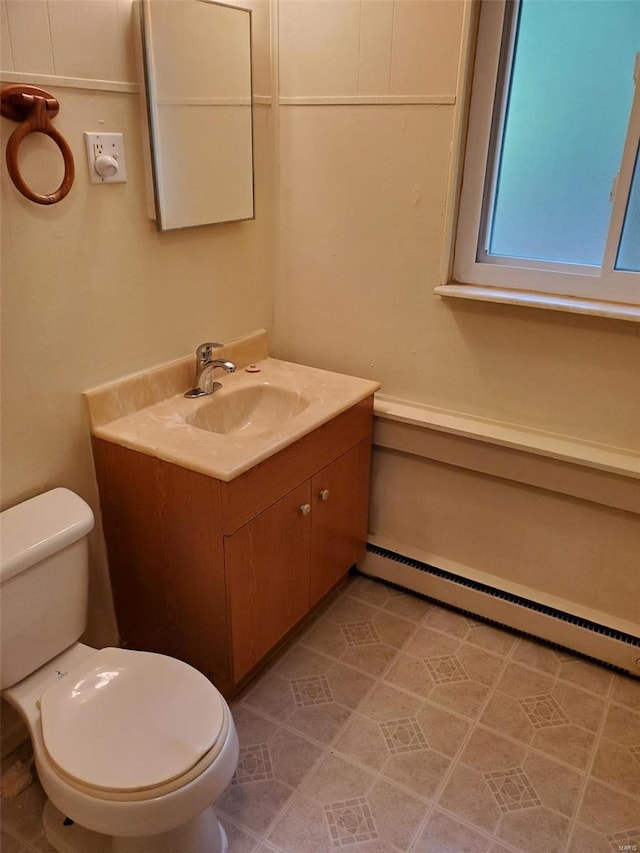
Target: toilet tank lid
[{"x": 39, "y": 527}]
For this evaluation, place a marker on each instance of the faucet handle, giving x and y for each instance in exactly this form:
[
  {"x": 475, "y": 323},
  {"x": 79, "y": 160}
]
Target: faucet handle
[{"x": 205, "y": 351}]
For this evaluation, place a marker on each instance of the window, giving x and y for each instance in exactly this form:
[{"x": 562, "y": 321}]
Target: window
[{"x": 550, "y": 197}]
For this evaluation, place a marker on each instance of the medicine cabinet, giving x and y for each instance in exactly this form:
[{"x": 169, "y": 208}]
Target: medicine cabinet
[{"x": 197, "y": 66}]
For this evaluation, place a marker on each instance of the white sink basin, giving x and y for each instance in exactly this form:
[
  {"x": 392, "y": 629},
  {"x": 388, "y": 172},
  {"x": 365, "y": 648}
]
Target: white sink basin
[{"x": 248, "y": 410}]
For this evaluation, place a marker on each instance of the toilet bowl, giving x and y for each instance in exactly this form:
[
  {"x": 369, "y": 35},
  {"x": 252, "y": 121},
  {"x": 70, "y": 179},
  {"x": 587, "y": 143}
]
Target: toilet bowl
[{"x": 132, "y": 748}]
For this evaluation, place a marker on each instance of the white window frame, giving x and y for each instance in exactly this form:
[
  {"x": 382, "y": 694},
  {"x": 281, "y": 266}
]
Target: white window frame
[{"x": 471, "y": 264}]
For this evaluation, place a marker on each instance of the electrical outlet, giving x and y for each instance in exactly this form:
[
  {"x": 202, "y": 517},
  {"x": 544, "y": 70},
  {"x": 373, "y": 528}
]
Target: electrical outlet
[{"x": 105, "y": 158}]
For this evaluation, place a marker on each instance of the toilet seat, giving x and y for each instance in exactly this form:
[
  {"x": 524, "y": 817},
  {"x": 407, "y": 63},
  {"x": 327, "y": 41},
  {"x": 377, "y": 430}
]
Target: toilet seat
[{"x": 132, "y": 725}]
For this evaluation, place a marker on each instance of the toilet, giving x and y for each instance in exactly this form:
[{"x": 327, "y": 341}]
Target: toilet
[{"x": 132, "y": 748}]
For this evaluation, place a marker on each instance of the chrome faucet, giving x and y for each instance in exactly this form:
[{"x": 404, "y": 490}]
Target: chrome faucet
[{"x": 205, "y": 365}]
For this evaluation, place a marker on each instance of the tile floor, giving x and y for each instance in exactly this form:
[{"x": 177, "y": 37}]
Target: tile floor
[{"x": 392, "y": 724}]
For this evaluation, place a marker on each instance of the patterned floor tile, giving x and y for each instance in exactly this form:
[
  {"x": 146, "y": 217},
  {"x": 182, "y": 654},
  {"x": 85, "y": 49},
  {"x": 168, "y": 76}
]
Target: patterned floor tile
[
  {"x": 397, "y": 815},
  {"x": 558, "y": 787},
  {"x": 363, "y": 741},
  {"x": 409, "y": 673},
  {"x": 403, "y": 735},
  {"x": 255, "y": 805},
  {"x": 350, "y": 821},
  {"x": 271, "y": 694},
  {"x": 463, "y": 697},
  {"x": 536, "y": 656},
  {"x": 512, "y": 789},
  {"x": 467, "y": 796},
  {"x": 427, "y": 643},
  {"x": 610, "y": 813},
  {"x": 408, "y": 606},
  {"x": 421, "y": 771},
  {"x": 348, "y": 610},
  {"x": 589, "y": 676},
  {"x": 292, "y": 757},
  {"x": 240, "y": 841},
  {"x": 626, "y": 691},
  {"x": 568, "y": 743},
  {"x": 348, "y": 686},
  {"x": 254, "y": 764},
  {"x": 520, "y": 682},
  {"x": 370, "y": 591},
  {"x": 445, "y": 834},
  {"x": 360, "y": 633},
  {"x": 492, "y": 639},
  {"x": 581, "y": 708},
  {"x": 618, "y": 765},
  {"x": 373, "y": 658},
  {"x": 337, "y": 779},
  {"x": 320, "y": 722},
  {"x": 449, "y": 622},
  {"x": 302, "y": 827},
  {"x": 543, "y": 711},
  {"x": 323, "y": 637},
  {"x": 446, "y": 669},
  {"x": 10, "y": 844},
  {"x": 443, "y": 730},
  {"x": 311, "y": 690},
  {"x": 508, "y": 715},
  {"x": 385, "y": 702},
  {"x": 393, "y": 724},
  {"x": 534, "y": 830},
  {"x": 489, "y": 752}
]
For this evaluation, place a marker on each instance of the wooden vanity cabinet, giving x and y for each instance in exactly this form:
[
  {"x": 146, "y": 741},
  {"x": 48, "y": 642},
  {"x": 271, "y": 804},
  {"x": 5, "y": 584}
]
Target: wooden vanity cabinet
[
  {"x": 267, "y": 569},
  {"x": 217, "y": 573},
  {"x": 340, "y": 512}
]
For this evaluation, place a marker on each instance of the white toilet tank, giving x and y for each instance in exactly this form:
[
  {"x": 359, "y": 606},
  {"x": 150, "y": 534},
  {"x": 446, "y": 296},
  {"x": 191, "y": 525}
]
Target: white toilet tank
[{"x": 43, "y": 580}]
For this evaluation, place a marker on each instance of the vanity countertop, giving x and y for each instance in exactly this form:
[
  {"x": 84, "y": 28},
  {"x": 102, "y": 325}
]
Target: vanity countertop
[{"x": 148, "y": 412}]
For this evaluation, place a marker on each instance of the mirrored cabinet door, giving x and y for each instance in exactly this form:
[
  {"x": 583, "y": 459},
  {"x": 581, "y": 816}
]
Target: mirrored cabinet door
[{"x": 197, "y": 57}]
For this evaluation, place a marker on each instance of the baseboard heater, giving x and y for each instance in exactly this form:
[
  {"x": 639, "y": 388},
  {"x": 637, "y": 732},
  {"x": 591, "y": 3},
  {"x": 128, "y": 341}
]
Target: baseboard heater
[{"x": 559, "y": 628}]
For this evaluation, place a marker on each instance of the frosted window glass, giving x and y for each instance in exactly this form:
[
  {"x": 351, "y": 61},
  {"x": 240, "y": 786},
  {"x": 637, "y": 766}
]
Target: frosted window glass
[
  {"x": 568, "y": 109},
  {"x": 629, "y": 252}
]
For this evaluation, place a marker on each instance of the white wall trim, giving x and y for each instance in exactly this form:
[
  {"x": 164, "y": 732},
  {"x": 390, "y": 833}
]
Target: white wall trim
[
  {"x": 548, "y": 301},
  {"x": 49, "y": 80},
  {"x": 460, "y": 123},
  {"x": 619, "y": 461},
  {"x": 502, "y": 611},
  {"x": 365, "y": 100}
]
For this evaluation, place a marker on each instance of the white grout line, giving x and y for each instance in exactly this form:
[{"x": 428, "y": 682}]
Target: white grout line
[{"x": 594, "y": 749}]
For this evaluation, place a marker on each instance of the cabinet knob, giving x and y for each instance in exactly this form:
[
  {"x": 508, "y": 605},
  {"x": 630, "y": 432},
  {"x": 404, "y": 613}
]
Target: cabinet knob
[
  {"x": 323, "y": 494},
  {"x": 305, "y": 509}
]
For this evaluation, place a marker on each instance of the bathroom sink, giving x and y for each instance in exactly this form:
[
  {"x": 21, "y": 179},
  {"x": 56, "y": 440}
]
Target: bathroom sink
[
  {"x": 265, "y": 406},
  {"x": 248, "y": 410}
]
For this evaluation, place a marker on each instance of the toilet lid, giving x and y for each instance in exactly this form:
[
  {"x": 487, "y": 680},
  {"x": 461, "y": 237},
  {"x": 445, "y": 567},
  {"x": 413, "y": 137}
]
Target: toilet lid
[{"x": 129, "y": 721}]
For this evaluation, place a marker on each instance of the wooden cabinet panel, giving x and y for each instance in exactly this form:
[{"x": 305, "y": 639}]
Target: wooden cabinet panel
[
  {"x": 267, "y": 578},
  {"x": 256, "y": 489},
  {"x": 166, "y": 560},
  {"x": 217, "y": 573},
  {"x": 340, "y": 508}
]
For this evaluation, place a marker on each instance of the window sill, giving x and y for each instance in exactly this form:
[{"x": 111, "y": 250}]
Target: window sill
[
  {"x": 572, "y": 304},
  {"x": 585, "y": 454}
]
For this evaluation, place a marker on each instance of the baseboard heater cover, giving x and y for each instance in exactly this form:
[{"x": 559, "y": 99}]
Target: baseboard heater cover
[{"x": 530, "y": 618}]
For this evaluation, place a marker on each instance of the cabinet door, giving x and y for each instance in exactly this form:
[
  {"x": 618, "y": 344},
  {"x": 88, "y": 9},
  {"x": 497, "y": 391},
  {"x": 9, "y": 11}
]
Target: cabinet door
[
  {"x": 267, "y": 570},
  {"x": 340, "y": 512}
]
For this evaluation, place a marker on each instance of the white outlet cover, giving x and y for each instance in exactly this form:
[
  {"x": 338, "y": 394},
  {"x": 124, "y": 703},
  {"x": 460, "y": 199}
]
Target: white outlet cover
[{"x": 111, "y": 144}]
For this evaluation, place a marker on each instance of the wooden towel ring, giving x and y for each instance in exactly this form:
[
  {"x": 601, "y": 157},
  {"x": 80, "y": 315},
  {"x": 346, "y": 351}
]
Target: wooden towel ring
[{"x": 34, "y": 108}]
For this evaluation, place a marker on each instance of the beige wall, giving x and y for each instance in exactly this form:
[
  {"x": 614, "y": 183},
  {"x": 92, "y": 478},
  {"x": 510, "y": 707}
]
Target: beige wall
[
  {"x": 90, "y": 290},
  {"x": 370, "y": 100},
  {"x": 363, "y": 198}
]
